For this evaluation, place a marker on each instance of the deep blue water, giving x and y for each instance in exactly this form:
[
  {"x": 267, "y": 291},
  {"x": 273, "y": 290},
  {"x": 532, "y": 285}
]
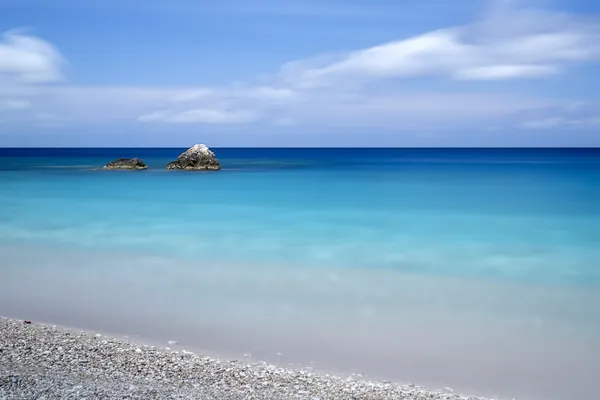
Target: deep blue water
[{"x": 527, "y": 215}]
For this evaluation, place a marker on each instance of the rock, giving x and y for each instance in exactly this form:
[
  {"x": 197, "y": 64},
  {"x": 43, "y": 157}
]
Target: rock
[
  {"x": 126, "y": 163},
  {"x": 174, "y": 165},
  {"x": 196, "y": 158}
]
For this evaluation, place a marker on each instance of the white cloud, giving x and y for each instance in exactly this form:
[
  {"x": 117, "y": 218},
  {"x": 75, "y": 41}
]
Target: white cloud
[
  {"x": 556, "y": 122},
  {"x": 508, "y": 44},
  {"x": 334, "y": 89},
  {"x": 29, "y": 59},
  {"x": 506, "y": 72},
  {"x": 573, "y": 115},
  {"x": 409, "y": 111},
  {"x": 545, "y": 123},
  {"x": 47, "y": 120},
  {"x": 202, "y": 116},
  {"x": 26, "y": 64},
  {"x": 14, "y": 104}
]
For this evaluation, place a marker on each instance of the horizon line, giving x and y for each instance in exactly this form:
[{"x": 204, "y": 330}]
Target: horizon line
[{"x": 303, "y": 147}]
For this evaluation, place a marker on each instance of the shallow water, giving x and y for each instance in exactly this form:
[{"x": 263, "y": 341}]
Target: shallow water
[{"x": 475, "y": 269}]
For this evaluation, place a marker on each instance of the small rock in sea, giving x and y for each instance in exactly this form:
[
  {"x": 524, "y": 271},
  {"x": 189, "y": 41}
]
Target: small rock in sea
[
  {"x": 172, "y": 342},
  {"x": 197, "y": 158},
  {"x": 126, "y": 163}
]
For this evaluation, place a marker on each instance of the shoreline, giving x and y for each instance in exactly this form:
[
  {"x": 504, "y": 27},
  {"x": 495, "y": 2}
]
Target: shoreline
[
  {"x": 513, "y": 342},
  {"x": 62, "y": 362}
]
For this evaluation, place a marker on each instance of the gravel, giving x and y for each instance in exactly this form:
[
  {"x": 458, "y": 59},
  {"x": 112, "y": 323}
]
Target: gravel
[{"x": 48, "y": 362}]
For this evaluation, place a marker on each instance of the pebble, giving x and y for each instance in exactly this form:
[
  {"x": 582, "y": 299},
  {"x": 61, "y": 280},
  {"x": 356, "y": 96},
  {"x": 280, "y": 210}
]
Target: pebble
[{"x": 30, "y": 368}]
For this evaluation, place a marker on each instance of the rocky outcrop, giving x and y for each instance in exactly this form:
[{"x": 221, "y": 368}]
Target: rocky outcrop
[
  {"x": 126, "y": 163},
  {"x": 174, "y": 165},
  {"x": 196, "y": 158}
]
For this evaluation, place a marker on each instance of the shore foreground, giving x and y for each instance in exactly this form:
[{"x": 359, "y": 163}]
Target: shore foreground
[{"x": 42, "y": 361}]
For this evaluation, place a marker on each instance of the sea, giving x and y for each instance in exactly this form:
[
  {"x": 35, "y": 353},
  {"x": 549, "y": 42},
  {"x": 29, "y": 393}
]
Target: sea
[{"x": 467, "y": 270}]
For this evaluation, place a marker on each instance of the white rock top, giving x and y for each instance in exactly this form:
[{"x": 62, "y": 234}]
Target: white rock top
[{"x": 201, "y": 148}]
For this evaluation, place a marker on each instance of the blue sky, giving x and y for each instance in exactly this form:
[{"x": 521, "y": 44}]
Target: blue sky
[{"x": 300, "y": 73}]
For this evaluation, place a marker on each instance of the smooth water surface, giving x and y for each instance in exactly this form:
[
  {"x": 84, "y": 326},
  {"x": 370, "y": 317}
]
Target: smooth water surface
[{"x": 478, "y": 268}]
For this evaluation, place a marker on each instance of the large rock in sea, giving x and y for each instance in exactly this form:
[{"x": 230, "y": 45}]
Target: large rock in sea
[
  {"x": 126, "y": 163},
  {"x": 196, "y": 158}
]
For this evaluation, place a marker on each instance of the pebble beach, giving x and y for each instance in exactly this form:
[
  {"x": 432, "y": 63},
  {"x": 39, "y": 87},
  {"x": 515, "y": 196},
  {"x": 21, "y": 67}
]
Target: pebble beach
[{"x": 40, "y": 361}]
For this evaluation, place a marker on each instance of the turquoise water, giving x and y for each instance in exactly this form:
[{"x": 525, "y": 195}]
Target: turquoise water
[
  {"x": 523, "y": 215},
  {"x": 392, "y": 262}
]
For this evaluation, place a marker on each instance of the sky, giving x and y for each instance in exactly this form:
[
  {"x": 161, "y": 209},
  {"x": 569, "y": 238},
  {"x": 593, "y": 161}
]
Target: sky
[{"x": 380, "y": 73}]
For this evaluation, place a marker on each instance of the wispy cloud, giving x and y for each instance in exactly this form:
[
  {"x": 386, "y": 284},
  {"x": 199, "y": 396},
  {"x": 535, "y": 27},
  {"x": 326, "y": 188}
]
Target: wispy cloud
[
  {"x": 365, "y": 87},
  {"x": 14, "y": 104},
  {"x": 557, "y": 122},
  {"x": 508, "y": 44},
  {"x": 47, "y": 120},
  {"x": 574, "y": 116},
  {"x": 29, "y": 59},
  {"x": 202, "y": 116}
]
